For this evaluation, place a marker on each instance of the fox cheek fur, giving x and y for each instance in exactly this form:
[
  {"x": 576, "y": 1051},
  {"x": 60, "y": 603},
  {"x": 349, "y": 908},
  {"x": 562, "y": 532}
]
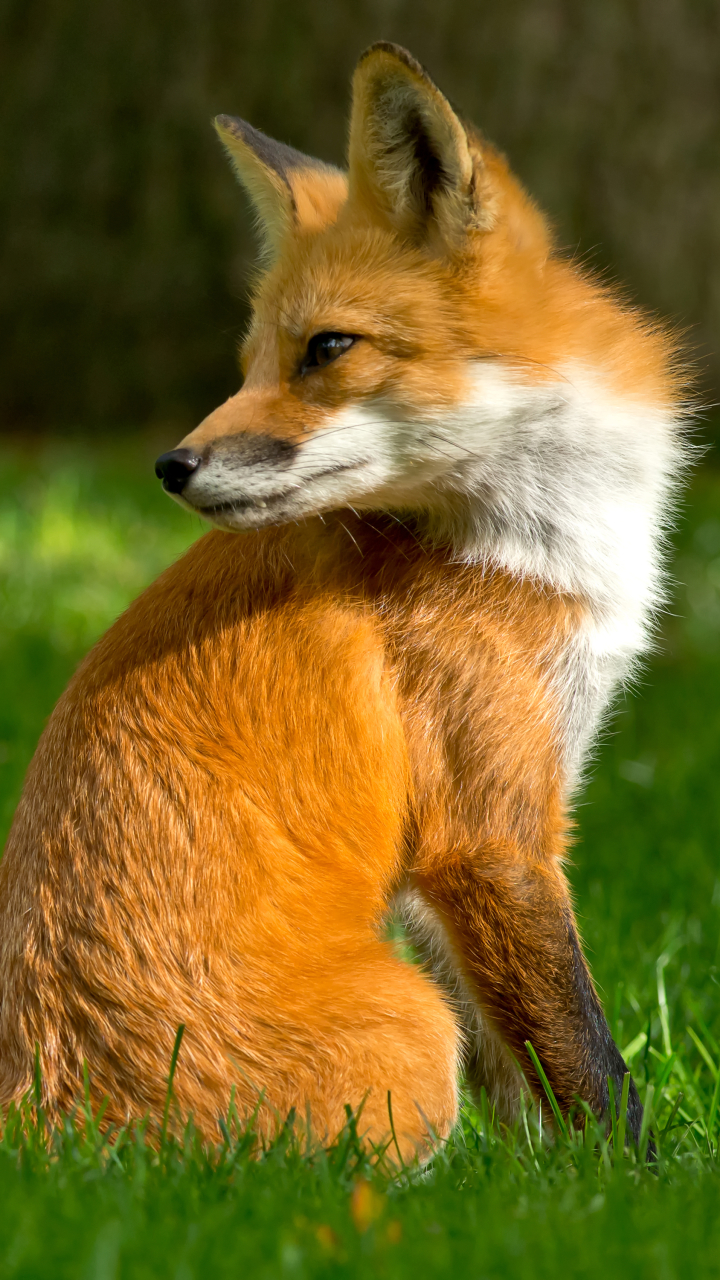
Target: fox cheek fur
[{"x": 453, "y": 457}]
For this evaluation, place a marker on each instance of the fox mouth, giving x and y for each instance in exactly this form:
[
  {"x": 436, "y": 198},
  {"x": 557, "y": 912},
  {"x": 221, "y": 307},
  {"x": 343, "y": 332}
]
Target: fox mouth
[{"x": 236, "y": 506}]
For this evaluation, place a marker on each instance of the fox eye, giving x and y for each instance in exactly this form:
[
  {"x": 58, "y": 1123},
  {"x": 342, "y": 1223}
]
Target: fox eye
[{"x": 323, "y": 348}]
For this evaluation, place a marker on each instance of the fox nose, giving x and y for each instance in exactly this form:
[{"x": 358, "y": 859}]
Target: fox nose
[{"x": 175, "y": 468}]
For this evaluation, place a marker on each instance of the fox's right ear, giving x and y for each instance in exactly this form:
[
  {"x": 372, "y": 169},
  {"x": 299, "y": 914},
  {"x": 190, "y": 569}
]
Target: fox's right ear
[{"x": 290, "y": 192}]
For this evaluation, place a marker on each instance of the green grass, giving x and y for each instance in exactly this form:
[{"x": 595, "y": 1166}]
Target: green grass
[{"x": 81, "y": 531}]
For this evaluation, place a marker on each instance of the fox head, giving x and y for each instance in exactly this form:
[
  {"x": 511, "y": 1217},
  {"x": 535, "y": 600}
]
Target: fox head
[
  {"x": 411, "y": 332},
  {"x": 366, "y": 321}
]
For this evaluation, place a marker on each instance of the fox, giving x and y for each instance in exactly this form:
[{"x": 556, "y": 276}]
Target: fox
[{"x": 439, "y": 503}]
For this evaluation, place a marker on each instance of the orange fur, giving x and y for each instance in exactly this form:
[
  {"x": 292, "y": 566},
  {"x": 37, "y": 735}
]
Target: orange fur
[
  {"x": 296, "y": 724},
  {"x": 213, "y": 826}
]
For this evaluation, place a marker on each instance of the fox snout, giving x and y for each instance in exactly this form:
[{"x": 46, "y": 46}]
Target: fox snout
[
  {"x": 231, "y": 476},
  {"x": 235, "y": 453}
]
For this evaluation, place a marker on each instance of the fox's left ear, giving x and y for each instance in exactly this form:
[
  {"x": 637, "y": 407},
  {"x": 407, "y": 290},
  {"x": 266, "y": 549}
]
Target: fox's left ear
[
  {"x": 410, "y": 157},
  {"x": 290, "y": 192}
]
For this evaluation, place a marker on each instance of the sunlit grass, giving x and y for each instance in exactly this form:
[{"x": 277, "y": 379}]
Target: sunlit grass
[
  {"x": 78, "y": 1201},
  {"x": 78, "y": 541},
  {"x": 81, "y": 532}
]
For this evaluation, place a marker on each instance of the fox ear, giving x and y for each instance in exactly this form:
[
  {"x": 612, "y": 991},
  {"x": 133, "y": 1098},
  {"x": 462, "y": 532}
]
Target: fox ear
[
  {"x": 290, "y": 192},
  {"x": 410, "y": 157}
]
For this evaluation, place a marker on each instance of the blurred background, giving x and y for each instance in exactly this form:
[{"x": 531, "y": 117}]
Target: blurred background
[{"x": 126, "y": 244}]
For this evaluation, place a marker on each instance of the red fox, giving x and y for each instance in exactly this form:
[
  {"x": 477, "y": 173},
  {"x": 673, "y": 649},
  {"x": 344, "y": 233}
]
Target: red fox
[{"x": 439, "y": 501}]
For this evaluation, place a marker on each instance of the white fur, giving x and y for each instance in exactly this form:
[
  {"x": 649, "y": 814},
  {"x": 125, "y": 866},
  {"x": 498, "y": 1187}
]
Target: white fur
[{"x": 571, "y": 486}]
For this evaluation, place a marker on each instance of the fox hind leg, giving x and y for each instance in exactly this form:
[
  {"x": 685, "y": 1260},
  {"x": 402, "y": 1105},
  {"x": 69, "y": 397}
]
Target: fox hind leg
[
  {"x": 369, "y": 1025},
  {"x": 400, "y": 1039}
]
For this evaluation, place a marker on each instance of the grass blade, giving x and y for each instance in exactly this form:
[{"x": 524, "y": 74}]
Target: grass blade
[
  {"x": 703, "y": 1052},
  {"x": 622, "y": 1118},
  {"x": 646, "y": 1122},
  {"x": 548, "y": 1090},
  {"x": 171, "y": 1077},
  {"x": 662, "y": 961},
  {"x": 392, "y": 1129},
  {"x": 713, "y": 1110},
  {"x": 613, "y": 1114},
  {"x": 37, "y": 1090},
  {"x": 671, "y": 1118},
  {"x": 634, "y": 1047}
]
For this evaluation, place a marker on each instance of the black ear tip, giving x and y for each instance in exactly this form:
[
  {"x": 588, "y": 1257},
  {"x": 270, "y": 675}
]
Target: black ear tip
[
  {"x": 232, "y": 124},
  {"x": 397, "y": 52}
]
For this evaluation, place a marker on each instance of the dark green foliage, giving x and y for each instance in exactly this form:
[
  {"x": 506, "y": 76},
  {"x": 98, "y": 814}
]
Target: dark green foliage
[
  {"x": 126, "y": 245},
  {"x": 80, "y": 533}
]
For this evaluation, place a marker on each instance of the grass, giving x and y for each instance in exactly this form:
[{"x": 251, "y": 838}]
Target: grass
[{"x": 81, "y": 531}]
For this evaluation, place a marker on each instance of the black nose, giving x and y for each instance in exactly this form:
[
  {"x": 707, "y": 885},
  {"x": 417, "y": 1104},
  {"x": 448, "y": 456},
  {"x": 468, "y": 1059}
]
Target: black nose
[{"x": 175, "y": 468}]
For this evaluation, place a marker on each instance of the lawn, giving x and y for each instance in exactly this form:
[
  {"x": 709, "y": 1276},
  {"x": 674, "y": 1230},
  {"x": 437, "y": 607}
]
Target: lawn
[{"x": 82, "y": 529}]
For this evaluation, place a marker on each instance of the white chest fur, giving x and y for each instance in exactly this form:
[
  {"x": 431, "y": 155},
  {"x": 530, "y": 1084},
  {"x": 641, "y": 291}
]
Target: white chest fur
[{"x": 570, "y": 486}]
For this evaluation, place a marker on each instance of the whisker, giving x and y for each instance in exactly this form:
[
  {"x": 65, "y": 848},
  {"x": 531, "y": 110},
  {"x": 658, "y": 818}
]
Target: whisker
[
  {"x": 386, "y": 537},
  {"x": 402, "y": 524},
  {"x": 357, "y": 544},
  {"x": 462, "y": 449}
]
